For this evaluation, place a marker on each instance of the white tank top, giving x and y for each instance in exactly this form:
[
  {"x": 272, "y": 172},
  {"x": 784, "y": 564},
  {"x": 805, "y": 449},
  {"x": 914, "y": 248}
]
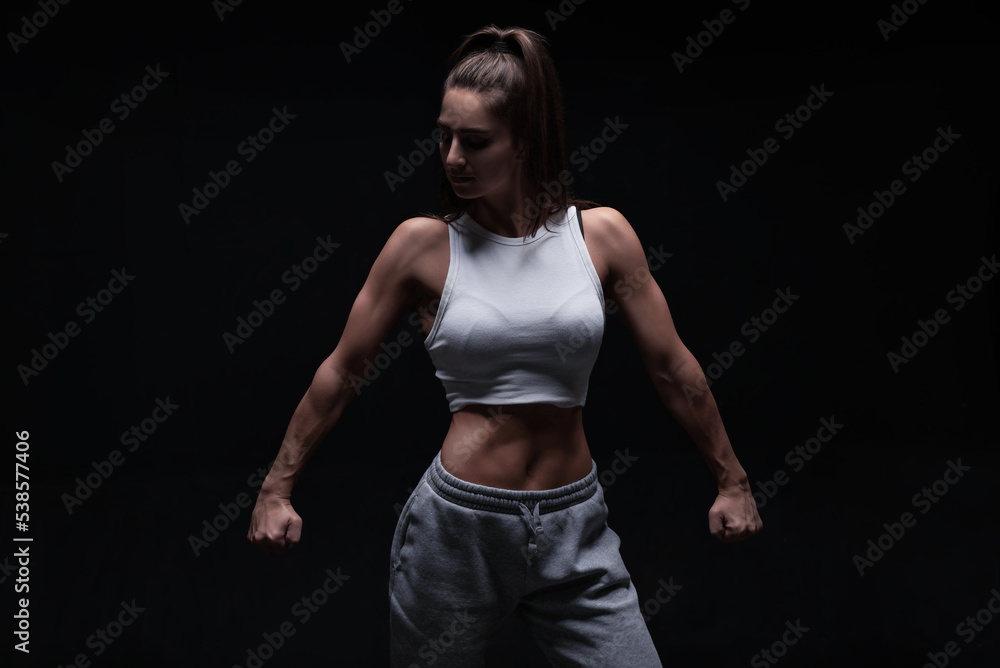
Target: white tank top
[{"x": 519, "y": 321}]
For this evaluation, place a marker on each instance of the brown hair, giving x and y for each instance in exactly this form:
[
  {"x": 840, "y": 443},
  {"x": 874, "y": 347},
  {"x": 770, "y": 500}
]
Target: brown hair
[{"x": 521, "y": 88}]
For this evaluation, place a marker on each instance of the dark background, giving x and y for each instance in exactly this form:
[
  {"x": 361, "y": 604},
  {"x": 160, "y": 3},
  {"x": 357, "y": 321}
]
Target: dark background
[{"x": 324, "y": 176}]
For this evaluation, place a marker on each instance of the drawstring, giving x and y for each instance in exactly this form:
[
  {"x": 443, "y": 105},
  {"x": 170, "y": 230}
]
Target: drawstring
[{"x": 534, "y": 523}]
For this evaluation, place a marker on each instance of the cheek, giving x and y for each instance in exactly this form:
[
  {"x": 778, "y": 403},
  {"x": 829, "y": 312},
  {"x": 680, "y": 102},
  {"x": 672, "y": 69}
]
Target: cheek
[{"x": 498, "y": 163}]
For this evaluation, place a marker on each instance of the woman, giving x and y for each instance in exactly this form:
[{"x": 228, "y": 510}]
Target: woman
[{"x": 511, "y": 286}]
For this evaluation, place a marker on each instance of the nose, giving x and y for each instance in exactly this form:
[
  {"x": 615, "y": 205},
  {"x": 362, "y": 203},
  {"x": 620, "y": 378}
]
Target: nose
[{"x": 454, "y": 159}]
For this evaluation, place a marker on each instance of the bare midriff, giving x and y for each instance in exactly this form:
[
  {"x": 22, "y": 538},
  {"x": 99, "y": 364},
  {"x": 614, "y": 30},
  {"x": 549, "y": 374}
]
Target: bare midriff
[{"x": 517, "y": 446}]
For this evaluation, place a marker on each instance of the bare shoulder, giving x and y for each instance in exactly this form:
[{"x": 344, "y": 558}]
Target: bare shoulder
[
  {"x": 604, "y": 215},
  {"x": 609, "y": 224},
  {"x": 423, "y": 226},
  {"x": 413, "y": 240},
  {"x": 418, "y": 251},
  {"x": 420, "y": 232},
  {"x": 614, "y": 237}
]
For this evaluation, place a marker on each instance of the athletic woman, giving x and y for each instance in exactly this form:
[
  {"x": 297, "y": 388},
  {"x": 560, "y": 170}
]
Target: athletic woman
[{"x": 511, "y": 285}]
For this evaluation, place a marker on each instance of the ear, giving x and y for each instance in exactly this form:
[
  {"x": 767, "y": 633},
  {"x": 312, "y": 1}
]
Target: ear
[{"x": 521, "y": 151}]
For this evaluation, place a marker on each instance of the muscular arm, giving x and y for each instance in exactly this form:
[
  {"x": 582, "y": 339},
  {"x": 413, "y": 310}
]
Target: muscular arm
[
  {"x": 388, "y": 291},
  {"x": 317, "y": 412},
  {"x": 676, "y": 374}
]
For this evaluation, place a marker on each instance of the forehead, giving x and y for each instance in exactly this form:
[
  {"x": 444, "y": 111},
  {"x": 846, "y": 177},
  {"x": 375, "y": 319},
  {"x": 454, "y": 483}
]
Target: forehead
[{"x": 462, "y": 108}]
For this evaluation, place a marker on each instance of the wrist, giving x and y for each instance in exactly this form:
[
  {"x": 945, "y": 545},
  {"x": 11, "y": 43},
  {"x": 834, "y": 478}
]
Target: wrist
[
  {"x": 732, "y": 481},
  {"x": 274, "y": 487}
]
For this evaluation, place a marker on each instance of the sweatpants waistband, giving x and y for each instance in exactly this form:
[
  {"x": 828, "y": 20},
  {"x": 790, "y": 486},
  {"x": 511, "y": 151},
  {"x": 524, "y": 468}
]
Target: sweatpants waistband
[{"x": 510, "y": 501}]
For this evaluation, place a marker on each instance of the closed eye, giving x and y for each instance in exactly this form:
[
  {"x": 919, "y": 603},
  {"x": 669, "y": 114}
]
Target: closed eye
[
  {"x": 475, "y": 145},
  {"x": 474, "y": 138}
]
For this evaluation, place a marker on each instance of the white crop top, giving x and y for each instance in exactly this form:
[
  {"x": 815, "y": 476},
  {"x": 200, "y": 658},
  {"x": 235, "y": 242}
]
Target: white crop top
[{"x": 519, "y": 321}]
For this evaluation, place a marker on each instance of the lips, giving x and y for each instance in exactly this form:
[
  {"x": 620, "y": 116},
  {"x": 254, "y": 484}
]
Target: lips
[{"x": 455, "y": 178}]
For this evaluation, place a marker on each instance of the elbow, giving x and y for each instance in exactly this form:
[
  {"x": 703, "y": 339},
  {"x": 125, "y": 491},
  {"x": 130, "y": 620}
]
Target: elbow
[
  {"x": 680, "y": 380},
  {"x": 333, "y": 385},
  {"x": 675, "y": 367}
]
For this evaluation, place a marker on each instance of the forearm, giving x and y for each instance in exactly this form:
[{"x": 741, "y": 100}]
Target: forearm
[
  {"x": 684, "y": 390},
  {"x": 318, "y": 411}
]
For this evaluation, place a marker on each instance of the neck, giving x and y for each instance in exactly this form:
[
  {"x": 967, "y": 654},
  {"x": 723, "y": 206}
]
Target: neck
[{"x": 501, "y": 215}]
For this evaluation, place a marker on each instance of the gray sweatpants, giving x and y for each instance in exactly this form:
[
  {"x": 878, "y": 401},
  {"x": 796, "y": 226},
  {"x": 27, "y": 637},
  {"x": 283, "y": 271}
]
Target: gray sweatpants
[{"x": 464, "y": 556}]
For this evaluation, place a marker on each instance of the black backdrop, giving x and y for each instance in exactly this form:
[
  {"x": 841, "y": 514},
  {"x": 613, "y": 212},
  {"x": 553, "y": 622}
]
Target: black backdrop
[{"x": 138, "y": 554}]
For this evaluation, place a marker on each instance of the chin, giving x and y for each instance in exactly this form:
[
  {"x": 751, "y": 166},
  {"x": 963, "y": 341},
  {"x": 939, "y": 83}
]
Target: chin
[{"x": 469, "y": 190}]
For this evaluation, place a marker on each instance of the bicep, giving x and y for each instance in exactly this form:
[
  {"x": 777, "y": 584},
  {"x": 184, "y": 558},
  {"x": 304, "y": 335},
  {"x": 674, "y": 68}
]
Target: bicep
[
  {"x": 640, "y": 301},
  {"x": 383, "y": 299},
  {"x": 649, "y": 320}
]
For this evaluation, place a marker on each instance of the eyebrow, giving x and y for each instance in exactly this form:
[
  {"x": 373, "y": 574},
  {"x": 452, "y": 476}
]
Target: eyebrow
[{"x": 480, "y": 131}]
